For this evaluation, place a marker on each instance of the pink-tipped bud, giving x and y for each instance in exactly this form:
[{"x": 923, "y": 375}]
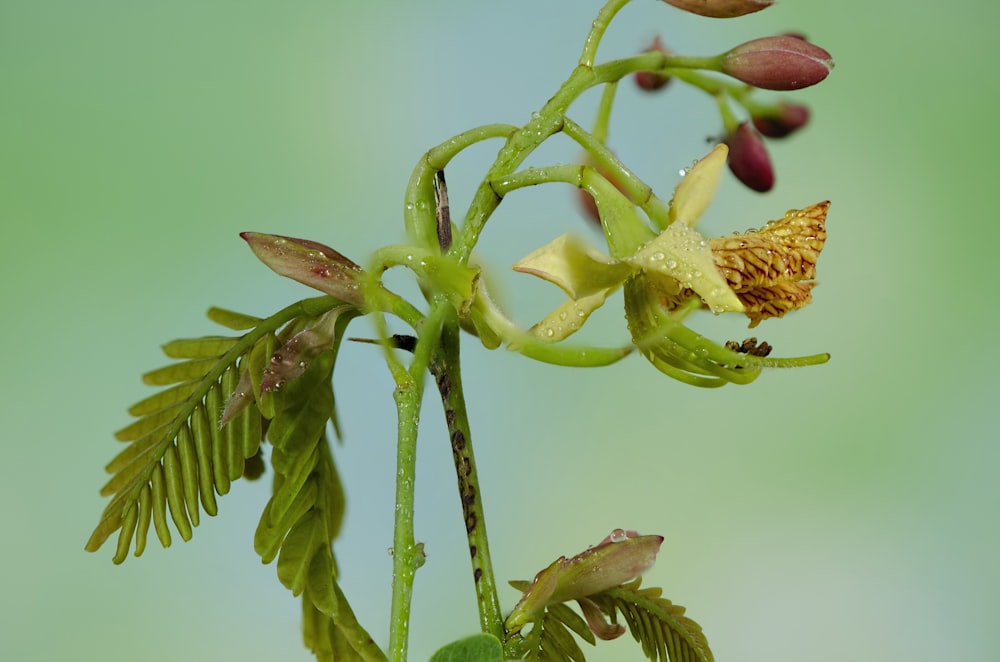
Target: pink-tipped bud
[
  {"x": 783, "y": 120},
  {"x": 619, "y": 558},
  {"x": 310, "y": 263},
  {"x": 648, "y": 80},
  {"x": 721, "y": 8},
  {"x": 783, "y": 62},
  {"x": 748, "y": 158}
]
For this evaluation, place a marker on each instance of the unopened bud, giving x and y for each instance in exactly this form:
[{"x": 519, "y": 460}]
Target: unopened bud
[
  {"x": 782, "y": 62},
  {"x": 748, "y": 158},
  {"x": 648, "y": 80},
  {"x": 619, "y": 558},
  {"x": 310, "y": 263},
  {"x": 782, "y": 120},
  {"x": 721, "y": 8}
]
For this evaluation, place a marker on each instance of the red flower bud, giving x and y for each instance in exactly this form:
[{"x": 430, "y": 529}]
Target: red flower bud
[
  {"x": 647, "y": 80},
  {"x": 721, "y": 8},
  {"x": 748, "y": 158},
  {"x": 783, "y": 62},
  {"x": 786, "y": 118}
]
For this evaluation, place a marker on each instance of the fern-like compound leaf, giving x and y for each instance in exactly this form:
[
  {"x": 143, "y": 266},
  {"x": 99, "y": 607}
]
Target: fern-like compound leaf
[
  {"x": 178, "y": 457},
  {"x": 660, "y": 626}
]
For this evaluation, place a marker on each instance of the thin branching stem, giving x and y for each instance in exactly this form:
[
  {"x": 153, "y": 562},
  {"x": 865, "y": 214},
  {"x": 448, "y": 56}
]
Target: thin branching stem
[{"x": 597, "y": 30}]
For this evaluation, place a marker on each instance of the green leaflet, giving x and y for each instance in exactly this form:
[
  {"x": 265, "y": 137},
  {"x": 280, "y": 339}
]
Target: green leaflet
[
  {"x": 232, "y": 320},
  {"x": 477, "y": 648},
  {"x": 321, "y": 581},
  {"x": 267, "y": 539},
  {"x": 187, "y": 454},
  {"x": 145, "y": 515},
  {"x": 174, "y": 479},
  {"x": 304, "y": 540},
  {"x": 174, "y": 395},
  {"x": 199, "y": 348},
  {"x": 179, "y": 372},
  {"x": 202, "y": 436}
]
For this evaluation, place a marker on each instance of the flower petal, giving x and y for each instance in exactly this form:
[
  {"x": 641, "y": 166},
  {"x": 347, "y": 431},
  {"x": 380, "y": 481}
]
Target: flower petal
[
  {"x": 567, "y": 319},
  {"x": 577, "y": 269},
  {"x": 694, "y": 194},
  {"x": 682, "y": 254}
]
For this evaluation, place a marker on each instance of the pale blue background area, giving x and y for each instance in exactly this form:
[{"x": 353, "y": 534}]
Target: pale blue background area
[{"x": 842, "y": 512}]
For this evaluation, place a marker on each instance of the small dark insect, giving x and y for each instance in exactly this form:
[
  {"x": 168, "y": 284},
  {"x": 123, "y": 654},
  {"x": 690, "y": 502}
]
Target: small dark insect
[
  {"x": 396, "y": 341},
  {"x": 749, "y": 346}
]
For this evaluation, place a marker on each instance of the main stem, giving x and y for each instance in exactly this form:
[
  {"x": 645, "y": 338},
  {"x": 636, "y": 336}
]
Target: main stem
[
  {"x": 407, "y": 555},
  {"x": 404, "y": 548},
  {"x": 445, "y": 368}
]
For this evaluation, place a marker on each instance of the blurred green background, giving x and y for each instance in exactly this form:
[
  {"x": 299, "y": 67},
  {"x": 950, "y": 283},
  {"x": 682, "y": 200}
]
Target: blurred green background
[{"x": 842, "y": 512}]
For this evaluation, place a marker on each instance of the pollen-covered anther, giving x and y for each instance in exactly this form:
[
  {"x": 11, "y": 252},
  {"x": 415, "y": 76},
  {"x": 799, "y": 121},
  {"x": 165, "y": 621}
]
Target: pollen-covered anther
[
  {"x": 782, "y": 250},
  {"x": 771, "y": 270}
]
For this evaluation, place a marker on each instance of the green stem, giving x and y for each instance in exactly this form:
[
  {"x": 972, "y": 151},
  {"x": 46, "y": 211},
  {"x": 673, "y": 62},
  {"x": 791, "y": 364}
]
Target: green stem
[
  {"x": 446, "y": 370},
  {"x": 611, "y": 167},
  {"x": 407, "y": 554},
  {"x": 603, "y": 120},
  {"x": 418, "y": 207},
  {"x": 597, "y": 30},
  {"x": 544, "y": 123},
  {"x": 623, "y": 229},
  {"x": 404, "y": 565}
]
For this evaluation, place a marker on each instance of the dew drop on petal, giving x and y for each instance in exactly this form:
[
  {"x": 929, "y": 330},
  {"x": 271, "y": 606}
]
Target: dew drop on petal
[{"x": 618, "y": 535}]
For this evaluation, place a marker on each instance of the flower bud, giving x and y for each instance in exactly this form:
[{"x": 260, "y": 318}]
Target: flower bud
[
  {"x": 648, "y": 80},
  {"x": 748, "y": 158},
  {"x": 721, "y": 8},
  {"x": 783, "y": 120},
  {"x": 310, "y": 263},
  {"x": 619, "y": 558},
  {"x": 782, "y": 62}
]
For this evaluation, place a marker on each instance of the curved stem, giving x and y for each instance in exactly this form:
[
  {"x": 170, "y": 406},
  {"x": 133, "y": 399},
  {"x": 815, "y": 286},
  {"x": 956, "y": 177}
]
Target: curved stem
[
  {"x": 546, "y": 122},
  {"x": 418, "y": 207},
  {"x": 608, "y": 164},
  {"x": 445, "y": 368},
  {"x": 597, "y": 30}
]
